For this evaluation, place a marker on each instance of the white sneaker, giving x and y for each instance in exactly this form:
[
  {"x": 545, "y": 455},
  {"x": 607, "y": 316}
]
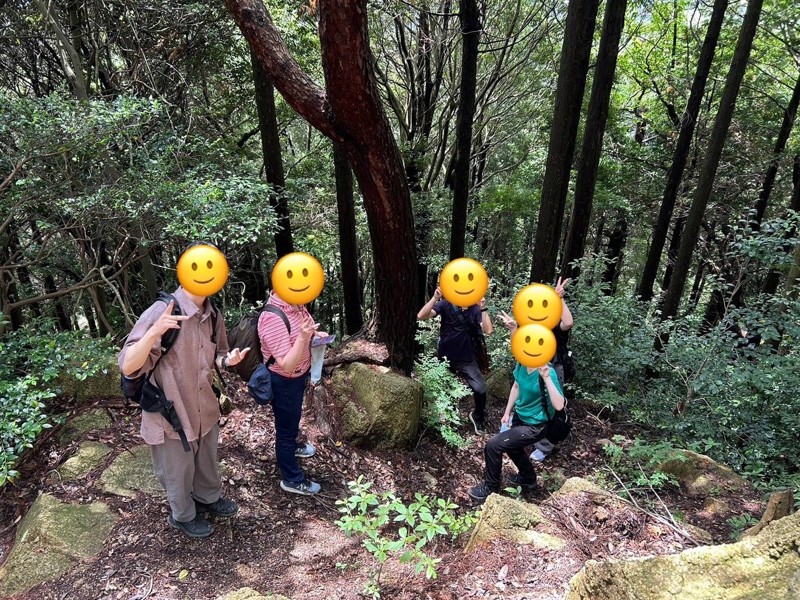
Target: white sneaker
[{"x": 538, "y": 455}]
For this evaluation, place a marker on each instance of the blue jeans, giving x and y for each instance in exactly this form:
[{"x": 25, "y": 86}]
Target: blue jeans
[{"x": 288, "y": 408}]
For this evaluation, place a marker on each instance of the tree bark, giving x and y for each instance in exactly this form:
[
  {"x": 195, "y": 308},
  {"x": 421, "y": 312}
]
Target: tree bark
[
  {"x": 681, "y": 153},
  {"x": 470, "y": 33},
  {"x": 273, "y": 160},
  {"x": 711, "y": 161},
  {"x": 574, "y": 64},
  {"x": 616, "y": 243},
  {"x": 348, "y": 243},
  {"x": 594, "y": 130},
  {"x": 350, "y": 112}
]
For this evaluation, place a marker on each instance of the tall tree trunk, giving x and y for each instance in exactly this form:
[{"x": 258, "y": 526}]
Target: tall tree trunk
[
  {"x": 273, "y": 160},
  {"x": 681, "y": 153},
  {"x": 471, "y": 36},
  {"x": 62, "y": 318},
  {"x": 594, "y": 130},
  {"x": 616, "y": 243},
  {"x": 672, "y": 251},
  {"x": 70, "y": 60},
  {"x": 711, "y": 161},
  {"x": 777, "y": 152},
  {"x": 350, "y": 112},
  {"x": 348, "y": 243},
  {"x": 774, "y": 277},
  {"x": 574, "y": 64}
]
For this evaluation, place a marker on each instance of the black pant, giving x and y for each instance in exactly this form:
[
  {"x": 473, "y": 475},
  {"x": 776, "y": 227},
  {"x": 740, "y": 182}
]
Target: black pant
[
  {"x": 474, "y": 378},
  {"x": 513, "y": 443}
]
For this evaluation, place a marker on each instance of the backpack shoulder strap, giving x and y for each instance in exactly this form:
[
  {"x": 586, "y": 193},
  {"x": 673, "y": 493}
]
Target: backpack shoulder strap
[
  {"x": 168, "y": 339},
  {"x": 544, "y": 401},
  {"x": 277, "y": 311}
]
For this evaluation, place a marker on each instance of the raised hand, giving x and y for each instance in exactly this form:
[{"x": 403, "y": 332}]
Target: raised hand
[
  {"x": 560, "y": 285},
  {"x": 235, "y": 356},
  {"x": 508, "y": 321},
  {"x": 437, "y": 293},
  {"x": 167, "y": 320},
  {"x": 307, "y": 327}
]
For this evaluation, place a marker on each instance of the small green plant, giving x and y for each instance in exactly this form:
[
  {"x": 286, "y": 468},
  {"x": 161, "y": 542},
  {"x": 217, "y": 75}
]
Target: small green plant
[
  {"x": 31, "y": 361},
  {"x": 442, "y": 391},
  {"x": 390, "y": 528},
  {"x": 637, "y": 464},
  {"x": 514, "y": 492},
  {"x": 739, "y": 523}
]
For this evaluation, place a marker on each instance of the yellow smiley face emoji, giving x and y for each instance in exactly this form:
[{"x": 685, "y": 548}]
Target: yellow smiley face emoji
[
  {"x": 537, "y": 304},
  {"x": 298, "y": 278},
  {"x": 463, "y": 282},
  {"x": 202, "y": 270},
  {"x": 533, "y": 345}
]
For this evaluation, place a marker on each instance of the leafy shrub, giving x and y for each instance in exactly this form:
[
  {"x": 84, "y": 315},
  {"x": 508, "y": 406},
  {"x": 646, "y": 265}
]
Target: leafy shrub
[
  {"x": 442, "y": 391},
  {"x": 31, "y": 360},
  {"x": 637, "y": 463},
  {"x": 389, "y": 527}
]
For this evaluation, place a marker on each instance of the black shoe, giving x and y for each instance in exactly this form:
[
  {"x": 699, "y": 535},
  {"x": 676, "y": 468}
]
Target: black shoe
[
  {"x": 516, "y": 480},
  {"x": 196, "y": 528},
  {"x": 220, "y": 508},
  {"x": 477, "y": 423},
  {"x": 480, "y": 492}
]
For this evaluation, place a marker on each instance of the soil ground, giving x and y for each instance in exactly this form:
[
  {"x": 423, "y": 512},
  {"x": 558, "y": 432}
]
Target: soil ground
[{"x": 288, "y": 544}]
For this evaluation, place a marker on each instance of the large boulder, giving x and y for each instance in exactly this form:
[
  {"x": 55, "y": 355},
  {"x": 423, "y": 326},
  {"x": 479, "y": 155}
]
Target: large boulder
[
  {"x": 92, "y": 420},
  {"x": 702, "y": 476},
  {"x": 510, "y": 519},
  {"x": 763, "y": 566},
  {"x": 51, "y": 539},
  {"x": 88, "y": 456},
  {"x": 498, "y": 384},
  {"x": 378, "y": 407}
]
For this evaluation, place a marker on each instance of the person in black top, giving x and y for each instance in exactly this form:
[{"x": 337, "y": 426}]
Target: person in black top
[
  {"x": 544, "y": 447},
  {"x": 458, "y": 326}
]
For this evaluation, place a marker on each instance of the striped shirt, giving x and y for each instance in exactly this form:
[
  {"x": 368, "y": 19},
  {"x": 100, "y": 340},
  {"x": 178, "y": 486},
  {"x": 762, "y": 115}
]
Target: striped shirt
[{"x": 276, "y": 341}]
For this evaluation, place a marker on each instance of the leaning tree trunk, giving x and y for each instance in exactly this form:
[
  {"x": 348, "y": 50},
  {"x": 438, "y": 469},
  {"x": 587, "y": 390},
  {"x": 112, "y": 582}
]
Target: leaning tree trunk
[
  {"x": 681, "y": 153},
  {"x": 774, "y": 277},
  {"x": 711, "y": 161},
  {"x": 470, "y": 32},
  {"x": 593, "y": 135},
  {"x": 574, "y": 64},
  {"x": 350, "y": 112},
  {"x": 348, "y": 243}
]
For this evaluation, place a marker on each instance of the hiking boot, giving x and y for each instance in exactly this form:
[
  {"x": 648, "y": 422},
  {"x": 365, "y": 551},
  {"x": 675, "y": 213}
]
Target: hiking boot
[
  {"x": 517, "y": 480},
  {"x": 480, "y": 492},
  {"x": 220, "y": 508},
  {"x": 478, "y": 423},
  {"x": 305, "y": 451},
  {"x": 304, "y": 488},
  {"x": 196, "y": 528},
  {"x": 538, "y": 456}
]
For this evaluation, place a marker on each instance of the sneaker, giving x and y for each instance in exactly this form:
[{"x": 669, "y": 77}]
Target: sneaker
[
  {"x": 305, "y": 488},
  {"x": 516, "y": 480},
  {"x": 196, "y": 528},
  {"x": 477, "y": 423},
  {"x": 220, "y": 508},
  {"x": 480, "y": 492},
  {"x": 305, "y": 451},
  {"x": 538, "y": 455}
]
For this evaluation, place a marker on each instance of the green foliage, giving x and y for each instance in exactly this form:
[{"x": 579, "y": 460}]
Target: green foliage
[
  {"x": 739, "y": 523},
  {"x": 637, "y": 463},
  {"x": 390, "y": 528},
  {"x": 31, "y": 360},
  {"x": 442, "y": 391}
]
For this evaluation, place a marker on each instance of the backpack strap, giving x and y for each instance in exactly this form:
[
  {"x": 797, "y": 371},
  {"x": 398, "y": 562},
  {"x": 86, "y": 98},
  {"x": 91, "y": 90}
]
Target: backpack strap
[
  {"x": 277, "y": 311},
  {"x": 544, "y": 401}
]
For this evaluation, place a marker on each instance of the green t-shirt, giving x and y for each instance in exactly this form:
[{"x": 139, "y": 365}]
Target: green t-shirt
[{"x": 529, "y": 402}]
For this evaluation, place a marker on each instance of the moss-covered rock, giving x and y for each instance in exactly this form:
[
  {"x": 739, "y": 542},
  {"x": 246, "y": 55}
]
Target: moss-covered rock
[
  {"x": 92, "y": 420},
  {"x": 498, "y": 384},
  {"x": 88, "y": 456},
  {"x": 760, "y": 567},
  {"x": 250, "y": 594},
  {"x": 51, "y": 538},
  {"x": 510, "y": 519},
  {"x": 131, "y": 472},
  {"x": 700, "y": 475},
  {"x": 379, "y": 408},
  {"x": 104, "y": 384}
]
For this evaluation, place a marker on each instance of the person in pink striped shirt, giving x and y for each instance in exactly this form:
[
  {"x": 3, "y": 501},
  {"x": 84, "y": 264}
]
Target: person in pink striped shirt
[{"x": 291, "y": 350}]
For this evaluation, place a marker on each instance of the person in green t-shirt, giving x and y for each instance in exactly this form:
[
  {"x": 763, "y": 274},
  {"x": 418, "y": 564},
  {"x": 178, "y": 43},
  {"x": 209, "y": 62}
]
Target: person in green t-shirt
[{"x": 528, "y": 426}]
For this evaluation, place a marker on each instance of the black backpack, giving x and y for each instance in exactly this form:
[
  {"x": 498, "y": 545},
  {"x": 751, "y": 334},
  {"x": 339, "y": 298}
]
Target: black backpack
[
  {"x": 132, "y": 387},
  {"x": 245, "y": 335}
]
